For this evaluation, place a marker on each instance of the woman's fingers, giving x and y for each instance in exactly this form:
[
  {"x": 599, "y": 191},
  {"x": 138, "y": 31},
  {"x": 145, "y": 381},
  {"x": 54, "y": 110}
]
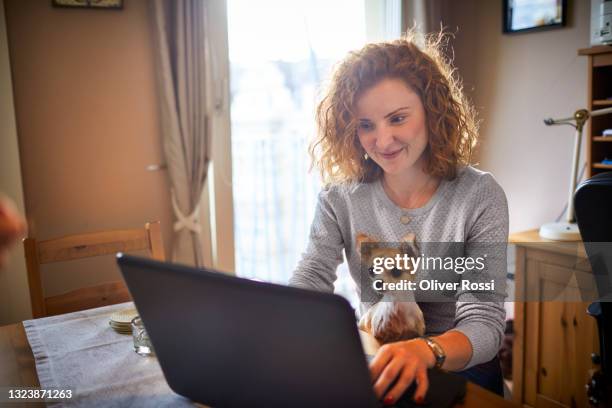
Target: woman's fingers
[
  {"x": 422, "y": 385},
  {"x": 396, "y": 364},
  {"x": 382, "y": 357},
  {"x": 403, "y": 382},
  {"x": 389, "y": 374},
  {"x": 12, "y": 224}
]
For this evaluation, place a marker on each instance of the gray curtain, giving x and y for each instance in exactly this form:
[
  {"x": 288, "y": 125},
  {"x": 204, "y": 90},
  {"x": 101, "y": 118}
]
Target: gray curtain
[
  {"x": 426, "y": 14},
  {"x": 184, "y": 71}
]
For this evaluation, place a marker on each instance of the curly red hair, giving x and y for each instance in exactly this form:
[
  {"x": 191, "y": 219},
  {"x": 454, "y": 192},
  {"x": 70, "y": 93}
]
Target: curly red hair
[{"x": 451, "y": 120}]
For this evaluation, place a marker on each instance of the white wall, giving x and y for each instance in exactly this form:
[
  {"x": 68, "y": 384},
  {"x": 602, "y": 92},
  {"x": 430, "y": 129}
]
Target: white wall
[
  {"x": 516, "y": 81},
  {"x": 14, "y": 292},
  {"x": 88, "y": 125}
]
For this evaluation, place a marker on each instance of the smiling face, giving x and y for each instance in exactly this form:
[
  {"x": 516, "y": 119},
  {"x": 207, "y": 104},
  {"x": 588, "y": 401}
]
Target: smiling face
[{"x": 392, "y": 127}]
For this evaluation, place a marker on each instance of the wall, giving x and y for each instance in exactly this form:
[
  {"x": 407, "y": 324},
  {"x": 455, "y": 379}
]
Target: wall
[
  {"x": 515, "y": 82},
  {"x": 13, "y": 281},
  {"x": 86, "y": 108}
]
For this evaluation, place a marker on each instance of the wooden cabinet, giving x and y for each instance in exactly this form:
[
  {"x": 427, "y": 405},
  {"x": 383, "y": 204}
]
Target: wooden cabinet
[
  {"x": 554, "y": 338},
  {"x": 599, "y": 97}
]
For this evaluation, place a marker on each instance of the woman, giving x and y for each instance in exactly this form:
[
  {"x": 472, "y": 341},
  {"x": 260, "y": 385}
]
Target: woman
[{"x": 395, "y": 140}]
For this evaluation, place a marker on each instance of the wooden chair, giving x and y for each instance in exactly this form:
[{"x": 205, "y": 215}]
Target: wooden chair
[{"x": 84, "y": 246}]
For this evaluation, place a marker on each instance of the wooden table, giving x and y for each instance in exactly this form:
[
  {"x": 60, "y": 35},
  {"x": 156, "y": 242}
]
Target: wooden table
[{"x": 17, "y": 369}]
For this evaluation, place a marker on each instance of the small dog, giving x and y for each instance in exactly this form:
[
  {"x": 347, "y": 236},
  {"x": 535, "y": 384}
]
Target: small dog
[{"x": 391, "y": 319}]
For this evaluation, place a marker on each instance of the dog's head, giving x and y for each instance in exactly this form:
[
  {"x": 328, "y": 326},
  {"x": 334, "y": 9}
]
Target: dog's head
[{"x": 371, "y": 256}]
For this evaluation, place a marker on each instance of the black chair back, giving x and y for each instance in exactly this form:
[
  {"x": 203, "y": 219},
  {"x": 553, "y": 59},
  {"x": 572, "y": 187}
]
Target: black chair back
[{"x": 593, "y": 206}]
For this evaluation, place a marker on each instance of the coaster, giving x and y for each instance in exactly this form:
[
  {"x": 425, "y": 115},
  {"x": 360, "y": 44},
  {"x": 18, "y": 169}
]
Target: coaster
[
  {"x": 120, "y": 326},
  {"x": 124, "y": 316},
  {"x": 121, "y": 321},
  {"x": 122, "y": 330}
]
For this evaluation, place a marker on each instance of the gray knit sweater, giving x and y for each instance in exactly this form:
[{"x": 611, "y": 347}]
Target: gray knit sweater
[{"x": 472, "y": 208}]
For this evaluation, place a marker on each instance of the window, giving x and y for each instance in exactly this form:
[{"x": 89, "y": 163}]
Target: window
[{"x": 281, "y": 52}]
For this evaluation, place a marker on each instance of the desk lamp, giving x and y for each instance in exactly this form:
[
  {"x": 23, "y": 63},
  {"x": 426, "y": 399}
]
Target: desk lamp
[{"x": 568, "y": 230}]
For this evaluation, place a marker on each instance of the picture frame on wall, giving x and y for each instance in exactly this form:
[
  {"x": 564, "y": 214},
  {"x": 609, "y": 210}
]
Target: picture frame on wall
[
  {"x": 533, "y": 15},
  {"x": 99, "y": 4}
]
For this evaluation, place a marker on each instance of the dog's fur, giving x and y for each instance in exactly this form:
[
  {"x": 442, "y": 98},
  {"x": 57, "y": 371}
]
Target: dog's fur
[{"x": 391, "y": 319}]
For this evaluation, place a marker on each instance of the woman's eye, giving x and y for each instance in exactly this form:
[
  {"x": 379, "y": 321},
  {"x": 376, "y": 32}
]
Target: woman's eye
[
  {"x": 398, "y": 119},
  {"x": 365, "y": 126}
]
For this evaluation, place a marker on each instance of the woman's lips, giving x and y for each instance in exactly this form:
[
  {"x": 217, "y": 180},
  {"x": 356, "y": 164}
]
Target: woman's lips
[{"x": 390, "y": 155}]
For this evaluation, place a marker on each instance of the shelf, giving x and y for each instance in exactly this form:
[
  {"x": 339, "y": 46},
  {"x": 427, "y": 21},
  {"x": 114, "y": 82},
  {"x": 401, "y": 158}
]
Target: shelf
[
  {"x": 598, "y": 49},
  {"x": 599, "y": 98}
]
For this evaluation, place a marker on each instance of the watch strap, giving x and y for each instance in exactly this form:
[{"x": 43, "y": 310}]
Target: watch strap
[{"x": 436, "y": 349}]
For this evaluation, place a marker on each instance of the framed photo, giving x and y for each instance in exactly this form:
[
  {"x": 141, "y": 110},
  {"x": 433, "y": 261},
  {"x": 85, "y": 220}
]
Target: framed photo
[
  {"x": 532, "y": 15},
  {"x": 101, "y": 4}
]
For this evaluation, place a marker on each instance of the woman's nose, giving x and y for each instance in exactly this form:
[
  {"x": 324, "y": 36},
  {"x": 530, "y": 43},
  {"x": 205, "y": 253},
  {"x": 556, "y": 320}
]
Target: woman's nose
[{"x": 384, "y": 137}]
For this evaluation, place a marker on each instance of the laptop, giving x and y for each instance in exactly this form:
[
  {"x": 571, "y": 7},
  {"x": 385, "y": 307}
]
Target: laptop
[{"x": 231, "y": 342}]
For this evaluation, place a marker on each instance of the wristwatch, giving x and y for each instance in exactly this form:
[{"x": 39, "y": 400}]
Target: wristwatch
[{"x": 436, "y": 350}]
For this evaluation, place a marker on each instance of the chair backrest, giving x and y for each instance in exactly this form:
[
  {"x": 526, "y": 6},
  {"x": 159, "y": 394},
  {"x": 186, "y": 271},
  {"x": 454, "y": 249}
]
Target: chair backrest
[
  {"x": 84, "y": 246},
  {"x": 592, "y": 201}
]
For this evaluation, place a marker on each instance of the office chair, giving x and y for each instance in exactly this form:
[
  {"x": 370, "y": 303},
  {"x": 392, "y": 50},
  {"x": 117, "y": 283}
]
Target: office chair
[{"x": 593, "y": 206}]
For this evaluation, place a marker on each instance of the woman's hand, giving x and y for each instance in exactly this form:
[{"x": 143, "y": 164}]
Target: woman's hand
[
  {"x": 404, "y": 361},
  {"x": 12, "y": 227}
]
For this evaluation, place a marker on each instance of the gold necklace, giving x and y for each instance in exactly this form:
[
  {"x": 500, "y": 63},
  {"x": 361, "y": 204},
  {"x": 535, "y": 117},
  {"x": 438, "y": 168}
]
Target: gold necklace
[{"x": 398, "y": 202}]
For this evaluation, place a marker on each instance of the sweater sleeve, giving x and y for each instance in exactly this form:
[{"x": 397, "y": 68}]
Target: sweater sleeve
[
  {"x": 317, "y": 268},
  {"x": 481, "y": 316}
]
